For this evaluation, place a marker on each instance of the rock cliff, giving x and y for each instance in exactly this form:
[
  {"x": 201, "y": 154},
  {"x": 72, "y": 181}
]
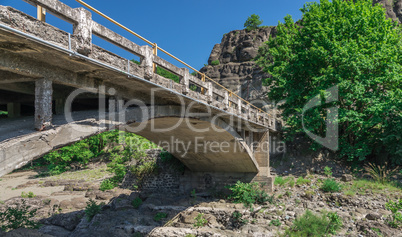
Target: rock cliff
[{"x": 236, "y": 70}]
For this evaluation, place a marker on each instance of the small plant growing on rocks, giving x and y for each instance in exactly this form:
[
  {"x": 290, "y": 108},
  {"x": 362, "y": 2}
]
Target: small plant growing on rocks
[
  {"x": 18, "y": 217},
  {"x": 92, "y": 209},
  {"x": 238, "y": 219},
  {"x": 136, "y": 202},
  {"x": 275, "y": 222},
  {"x": 330, "y": 185},
  {"x": 28, "y": 195},
  {"x": 215, "y": 62},
  {"x": 249, "y": 193},
  {"x": 107, "y": 184},
  {"x": 395, "y": 219},
  {"x": 159, "y": 216},
  {"x": 328, "y": 171},
  {"x": 200, "y": 221}
]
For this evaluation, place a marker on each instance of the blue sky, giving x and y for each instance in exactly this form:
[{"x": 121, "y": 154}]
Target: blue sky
[{"x": 187, "y": 29}]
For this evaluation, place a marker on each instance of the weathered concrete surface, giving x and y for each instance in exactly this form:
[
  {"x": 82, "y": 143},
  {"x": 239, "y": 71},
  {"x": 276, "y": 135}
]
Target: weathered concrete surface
[{"x": 43, "y": 104}]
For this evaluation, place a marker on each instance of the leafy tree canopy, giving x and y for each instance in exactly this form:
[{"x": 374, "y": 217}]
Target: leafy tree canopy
[
  {"x": 253, "y": 22},
  {"x": 351, "y": 45}
]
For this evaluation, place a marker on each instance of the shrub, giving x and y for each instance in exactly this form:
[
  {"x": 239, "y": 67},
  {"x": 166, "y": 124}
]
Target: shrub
[
  {"x": 395, "y": 219},
  {"x": 159, "y": 216},
  {"x": 249, "y": 193},
  {"x": 330, "y": 185},
  {"x": 92, "y": 209},
  {"x": 107, "y": 184},
  {"x": 18, "y": 217},
  {"x": 302, "y": 181},
  {"x": 136, "y": 202},
  {"x": 200, "y": 221},
  {"x": 253, "y": 22},
  {"x": 315, "y": 225},
  {"x": 328, "y": 171},
  {"x": 215, "y": 62},
  {"x": 28, "y": 195}
]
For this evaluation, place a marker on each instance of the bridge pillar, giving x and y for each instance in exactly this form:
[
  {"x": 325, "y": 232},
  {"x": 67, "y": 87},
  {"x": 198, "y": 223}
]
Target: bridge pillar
[
  {"x": 261, "y": 154},
  {"x": 43, "y": 104},
  {"x": 14, "y": 109}
]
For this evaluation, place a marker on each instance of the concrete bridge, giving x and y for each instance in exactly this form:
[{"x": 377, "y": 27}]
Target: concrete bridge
[{"x": 59, "y": 88}]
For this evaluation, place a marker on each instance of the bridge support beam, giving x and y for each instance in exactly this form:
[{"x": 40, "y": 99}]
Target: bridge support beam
[
  {"x": 43, "y": 104},
  {"x": 14, "y": 109},
  {"x": 261, "y": 154}
]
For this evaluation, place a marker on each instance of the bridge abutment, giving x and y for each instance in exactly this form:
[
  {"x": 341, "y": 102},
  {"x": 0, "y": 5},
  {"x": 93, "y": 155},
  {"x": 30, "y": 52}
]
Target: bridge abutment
[{"x": 43, "y": 104}]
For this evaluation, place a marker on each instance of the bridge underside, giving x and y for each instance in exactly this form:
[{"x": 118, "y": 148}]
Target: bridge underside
[{"x": 210, "y": 150}]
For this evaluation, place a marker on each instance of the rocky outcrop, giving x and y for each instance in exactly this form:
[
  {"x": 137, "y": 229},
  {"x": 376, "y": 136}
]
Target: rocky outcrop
[
  {"x": 393, "y": 8},
  {"x": 236, "y": 70}
]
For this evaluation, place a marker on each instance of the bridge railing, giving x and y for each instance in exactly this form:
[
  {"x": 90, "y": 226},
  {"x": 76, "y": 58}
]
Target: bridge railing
[{"x": 83, "y": 29}]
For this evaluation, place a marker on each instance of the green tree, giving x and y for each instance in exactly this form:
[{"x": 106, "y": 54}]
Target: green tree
[
  {"x": 351, "y": 45},
  {"x": 253, "y": 22}
]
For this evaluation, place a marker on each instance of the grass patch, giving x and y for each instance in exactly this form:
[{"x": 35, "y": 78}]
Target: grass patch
[
  {"x": 249, "y": 193},
  {"x": 87, "y": 174},
  {"x": 315, "y": 225},
  {"x": 301, "y": 181},
  {"x": 360, "y": 185},
  {"x": 330, "y": 185},
  {"x": 281, "y": 181}
]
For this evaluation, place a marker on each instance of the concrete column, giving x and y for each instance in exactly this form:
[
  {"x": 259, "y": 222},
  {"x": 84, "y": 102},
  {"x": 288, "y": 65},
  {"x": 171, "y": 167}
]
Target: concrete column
[
  {"x": 83, "y": 31},
  {"x": 185, "y": 82},
  {"x": 261, "y": 155},
  {"x": 147, "y": 61},
  {"x": 59, "y": 106},
  {"x": 239, "y": 105},
  {"x": 210, "y": 92},
  {"x": 14, "y": 110},
  {"x": 226, "y": 101},
  {"x": 43, "y": 104}
]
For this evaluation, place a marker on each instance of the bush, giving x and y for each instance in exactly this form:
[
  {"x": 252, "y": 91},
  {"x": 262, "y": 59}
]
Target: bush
[
  {"x": 136, "y": 202},
  {"x": 107, "y": 184},
  {"x": 312, "y": 225},
  {"x": 18, "y": 217},
  {"x": 92, "y": 209},
  {"x": 200, "y": 221},
  {"x": 215, "y": 62},
  {"x": 253, "y": 22},
  {"x": 159, "y": 216},
  {"x": 395, "y": 219},
  {"x": 249, "y": 193},
  {"x": 330, "y": 185}
]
